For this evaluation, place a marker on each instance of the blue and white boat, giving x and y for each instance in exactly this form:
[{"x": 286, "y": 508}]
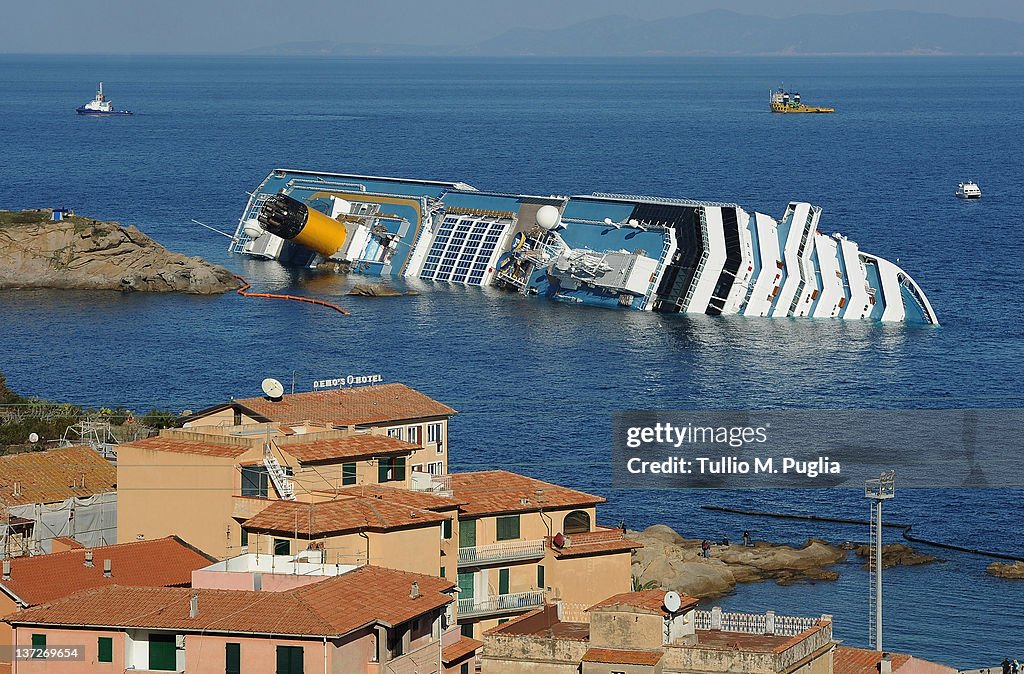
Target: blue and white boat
[
  {"x": 100, "y": 105},
  {"x": 615, "y": 250}
]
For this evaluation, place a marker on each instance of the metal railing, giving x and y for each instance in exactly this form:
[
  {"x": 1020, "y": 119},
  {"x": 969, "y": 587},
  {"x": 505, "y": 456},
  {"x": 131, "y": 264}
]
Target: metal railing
[
  {"x": 755, "y": 623},
  {"x": 502, "y": 603},
  {"x": 508, "y": 551}
]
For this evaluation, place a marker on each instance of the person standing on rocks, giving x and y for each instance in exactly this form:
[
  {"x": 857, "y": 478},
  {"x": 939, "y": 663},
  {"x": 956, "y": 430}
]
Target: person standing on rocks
[
  {"x": 705, "y": 548},
  {"x": 746, "y": 539}
]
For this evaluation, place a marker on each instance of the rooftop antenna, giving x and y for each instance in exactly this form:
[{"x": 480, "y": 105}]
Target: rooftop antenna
[{"x": 877, "y": 490}]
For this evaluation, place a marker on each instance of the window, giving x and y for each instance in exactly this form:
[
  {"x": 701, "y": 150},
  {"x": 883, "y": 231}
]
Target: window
[
  {"x": 391, "y": 469},
  {"x": 502, "y": 621},
  {"x": 434, "y": 432},
  {"x": 395, "y": 433},
  {"x": 162, "y": 653},
  {"x": 255, "y": 481},
  {"x": 105, "y": 650},
  {"x": 466, "y": 629},
  {"x": 289, "y": 660},
  {"x": 348, "y": 473},
  {"x": 414, "y": 435},
  {"x": 245, "y": 537},
  {"x": 443, "y": 572},
  {"x": 508, "y": 528},
  {"x": 282, "y": 546},
  {"x": 38, "y": 645},
  {"x": 540, "y": 576},
  {"x": 464, "y": 669},
  {"x": 467, "y": 533},
  {"x": 503, "y": 581},
  {"x": 466, "y": 585},
  {"x": 576, "y": 522},
  {"x": 446, "y": 530},
  {"x": 232, "y": 658}
]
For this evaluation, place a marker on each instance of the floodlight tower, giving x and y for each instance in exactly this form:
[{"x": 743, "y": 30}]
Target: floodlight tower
[{"x": 878, "y": 491}]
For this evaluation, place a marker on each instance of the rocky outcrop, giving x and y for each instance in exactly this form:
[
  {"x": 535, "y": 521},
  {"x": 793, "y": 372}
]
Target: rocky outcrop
[
  {"x": 81, "y": 253},
  {"x": 895, "y": 554},
  {"x": 367, "y": 290},
  {"x": 674, "y": 562},
  {"x": 1011, "y": 570}
]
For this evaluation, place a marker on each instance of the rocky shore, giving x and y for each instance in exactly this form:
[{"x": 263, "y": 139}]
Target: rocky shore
[
  {"x": 895, "y": 554},
  {"x": 671, "y": 561},
  {"x": 82, "y": 253}
]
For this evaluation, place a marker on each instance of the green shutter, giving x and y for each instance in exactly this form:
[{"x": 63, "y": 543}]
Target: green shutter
[
  {"x": 400, "y": 469},
  {"x": 162, "y": 653},
  {"x": 105, "y": 649},
  {"x": 245, "y": 536},
  {"x": 465, "y": 586},
  {"x": 540, "y": 576},
  {"x": 38, "y": 644},
  {"x": 508, "y": 528},
  {"x": 383, "y": 467},
  {"x": 446, "y": 529},
  {"x": 467, "y": 533},
  {"x": 503, "y": 581},
  {"x": 232, "y": 658},
  {"x": 348, "y": 473},
  {"x": 289, "y": 660}
]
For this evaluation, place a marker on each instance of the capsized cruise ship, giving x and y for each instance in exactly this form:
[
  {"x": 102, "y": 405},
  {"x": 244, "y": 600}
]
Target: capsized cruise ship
[{"x": 612, "y": 250}]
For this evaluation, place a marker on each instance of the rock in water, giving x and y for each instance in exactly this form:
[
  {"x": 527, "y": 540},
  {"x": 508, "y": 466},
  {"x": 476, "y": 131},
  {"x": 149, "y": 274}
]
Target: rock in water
[
  {"x": 366, "y": 290},
  {"x": 80, "y": 253},
  {"x": 895, "y": 554},
  {"x": 1011, "y": 570}
]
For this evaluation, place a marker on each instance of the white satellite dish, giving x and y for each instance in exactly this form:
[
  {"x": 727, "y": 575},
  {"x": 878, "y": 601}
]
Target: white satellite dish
[
  {"x": 252, "y": 228},
  {"x": 672, "y": 601},
  {"x": 33, "y": 438},
  {"x": 273, "y": 388},
  {"x": 547, "y": 217}
]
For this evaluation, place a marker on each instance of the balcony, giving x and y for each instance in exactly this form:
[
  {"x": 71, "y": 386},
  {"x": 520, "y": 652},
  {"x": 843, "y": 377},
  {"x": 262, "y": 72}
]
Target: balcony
[
  {"x": 499, "y": 553},
  {"x": 247, "y": 506},
  {"x": 502, "y": 603}
]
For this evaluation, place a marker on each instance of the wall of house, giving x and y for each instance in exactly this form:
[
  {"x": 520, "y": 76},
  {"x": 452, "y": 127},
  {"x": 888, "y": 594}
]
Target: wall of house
[
  {"x": 588, "y": 580},
  {"x": 87, "y": 640},
  {"x": 608, "y": 668},
  {"x": 224, "y": 417},
  {"x": 625, "y": 628},
  {"x": 532, "y": 525},
  {"x": 7, "y": 607},
  {"x": 416, "y": 550},
  {"x": 190, "y": 495},
  {"x": 531, "y": 655}
]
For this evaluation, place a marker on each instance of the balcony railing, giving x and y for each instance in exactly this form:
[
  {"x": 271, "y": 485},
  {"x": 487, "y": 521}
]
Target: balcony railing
[
  {"x": 502, "y": 603},
  {"x": 755, "y": 623},
  {"x": 507, "y": 551}
]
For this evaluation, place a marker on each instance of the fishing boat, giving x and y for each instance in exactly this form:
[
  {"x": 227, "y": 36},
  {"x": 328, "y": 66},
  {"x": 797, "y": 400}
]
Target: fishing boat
[
  {"x": 623, "y": 251},
  {"x": 968, "y": 190},
  {"x": 780, "y": 100},
  {"x": 101, "y": 105}
]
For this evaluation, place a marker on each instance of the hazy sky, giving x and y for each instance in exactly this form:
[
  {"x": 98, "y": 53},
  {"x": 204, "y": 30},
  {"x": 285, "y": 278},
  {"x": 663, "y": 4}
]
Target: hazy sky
[{"x": 208, "y": 26}]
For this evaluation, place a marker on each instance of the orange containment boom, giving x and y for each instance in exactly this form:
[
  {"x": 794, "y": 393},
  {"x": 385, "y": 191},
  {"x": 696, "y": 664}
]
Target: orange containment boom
[{"x": 273, "y": 296}]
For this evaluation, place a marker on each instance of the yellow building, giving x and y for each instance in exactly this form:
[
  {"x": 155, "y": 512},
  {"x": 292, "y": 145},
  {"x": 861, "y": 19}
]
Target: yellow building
[{"x": 522, "y": 541}]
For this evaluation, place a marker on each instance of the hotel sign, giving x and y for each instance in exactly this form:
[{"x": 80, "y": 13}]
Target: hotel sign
[{"x": 350, "y": 380}]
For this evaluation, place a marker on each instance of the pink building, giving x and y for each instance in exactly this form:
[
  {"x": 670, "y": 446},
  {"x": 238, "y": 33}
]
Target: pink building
[{"x": 367, "y": 620}]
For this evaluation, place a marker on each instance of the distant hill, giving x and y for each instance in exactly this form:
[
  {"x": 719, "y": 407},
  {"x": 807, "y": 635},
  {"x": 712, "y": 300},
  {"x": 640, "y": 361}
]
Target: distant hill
[{"x": 722, "y": 33}]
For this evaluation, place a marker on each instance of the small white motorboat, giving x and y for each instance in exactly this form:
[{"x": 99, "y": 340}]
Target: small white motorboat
[{"x": 968, "y": 190}]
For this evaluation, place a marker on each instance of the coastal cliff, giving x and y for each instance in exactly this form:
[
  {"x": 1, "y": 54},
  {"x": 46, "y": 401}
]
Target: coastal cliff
[{"x": 82, "y": 253}]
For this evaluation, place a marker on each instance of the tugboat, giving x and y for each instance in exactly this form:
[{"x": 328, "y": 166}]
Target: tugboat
[
  {"x": 781, "y": 100},
  {"x": 100, "y": 106},
  {"x": 968, "y": 190}
]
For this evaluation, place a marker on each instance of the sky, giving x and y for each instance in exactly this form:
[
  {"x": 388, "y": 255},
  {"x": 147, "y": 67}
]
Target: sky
[{"x": 232, "y": 26}]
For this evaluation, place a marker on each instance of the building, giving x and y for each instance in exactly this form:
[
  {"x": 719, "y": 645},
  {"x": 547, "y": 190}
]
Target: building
[
  {"x": 368, "y": 619},
  {"x": 395, "y": 410},
  {"x": 637, "y": 633},
  {"x": 523, "y": 541},
  {"x": 36, "y": 580},
  {"x": 69, "y": 491},
  {"x": 849, "y": 660}
]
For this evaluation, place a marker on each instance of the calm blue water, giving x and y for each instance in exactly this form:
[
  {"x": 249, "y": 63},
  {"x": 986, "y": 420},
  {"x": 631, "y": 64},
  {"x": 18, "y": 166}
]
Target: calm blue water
[{"x": 535, "y": 382}]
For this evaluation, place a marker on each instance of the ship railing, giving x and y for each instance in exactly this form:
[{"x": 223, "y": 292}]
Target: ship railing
[
  {"x": 241, "y": 239},
  {"x": 662, "y": 200}
]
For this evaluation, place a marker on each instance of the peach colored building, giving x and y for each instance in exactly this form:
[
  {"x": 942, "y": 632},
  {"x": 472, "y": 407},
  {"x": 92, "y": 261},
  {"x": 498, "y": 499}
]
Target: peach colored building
[
  {"x": 637, "y": 633},
  {"x": 31, "y": 581},
  {"x": 369, "y": 620}
]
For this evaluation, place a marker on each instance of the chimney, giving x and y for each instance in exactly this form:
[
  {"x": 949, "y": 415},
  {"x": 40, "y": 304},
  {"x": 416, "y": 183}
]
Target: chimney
[
  {"x": 7, "y": 569},
  {"x": 885, "y": 664},
  {"x": 88, "y": 558},
  {"x": 193, "y": 606},
  {"x": 17, "y": 489},
  {"x": 107, "y": 571},
  {"x": 414, "y": 593}
]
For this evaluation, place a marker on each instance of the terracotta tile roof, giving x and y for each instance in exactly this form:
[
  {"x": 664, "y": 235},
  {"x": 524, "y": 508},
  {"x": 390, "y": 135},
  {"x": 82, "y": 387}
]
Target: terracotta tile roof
[
  {"x": 349, "y": 512},
  {"x": 163, "y": 561},
  {"x": 617, "y": 656},
  {"x": 465, "y": 646},
  {"x": 648, "y": 600},
  {"x": 347, "y": 407},
  {"x": 55, "y": 475},
  {"x": 755, "y": 643},
  {"x": 543, "y": 623},
  {"x": 163, "y": 443},
  {"x": 491, "y": 492},
  {"x": 361, "y": 446},
  {"x": 846, "y": 660},
  {"x": 68, "y": 542},
  {"x": 599, "y": 542},
  {"x": 406, "y": 497},
  {"x": 331, "y": 607}
]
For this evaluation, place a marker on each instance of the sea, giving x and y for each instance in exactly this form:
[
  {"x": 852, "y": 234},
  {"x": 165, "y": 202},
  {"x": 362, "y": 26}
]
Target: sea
[{"x": 536, "y": 382}]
